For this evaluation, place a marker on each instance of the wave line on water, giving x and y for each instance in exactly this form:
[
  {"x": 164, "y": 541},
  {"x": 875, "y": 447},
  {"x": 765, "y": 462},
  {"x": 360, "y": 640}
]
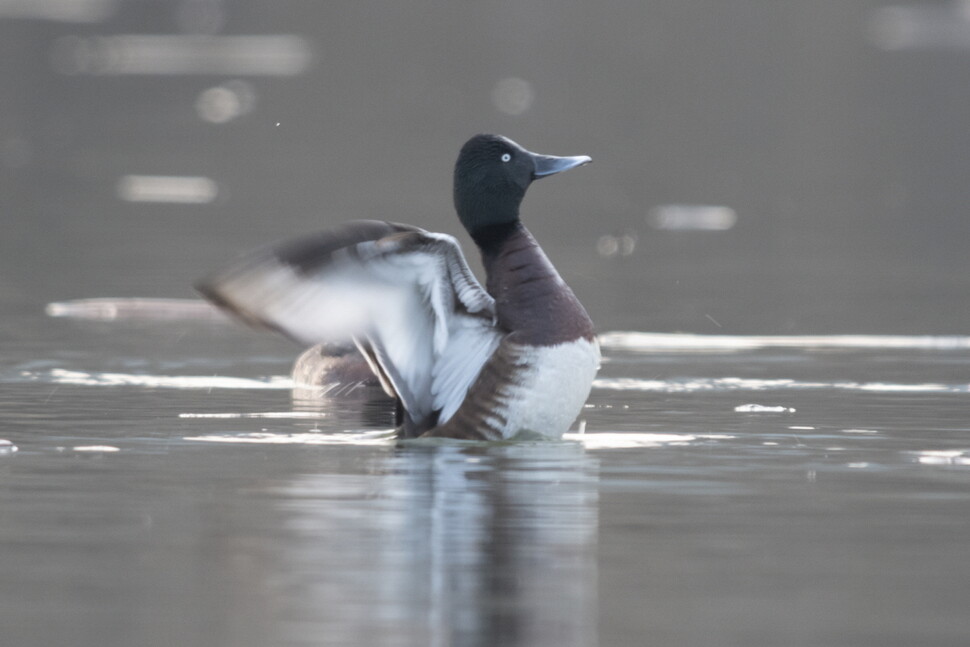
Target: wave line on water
[
  {"x": 943, "y": 456},
  {"x": 682, "y": 385},
  {"x": 595, "y": 440},
  {"x": 135, "y": 309},
  {"x": 379, "y": 437},
  {"x": 651, "y": 342},
  {"x": 282, "y": 415},
  {"x": 693, "y": 385},
  {"x": 64, "y": 376}
]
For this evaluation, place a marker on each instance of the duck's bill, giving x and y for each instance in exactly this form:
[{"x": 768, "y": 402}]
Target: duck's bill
[{"x": 547, "y": 165}]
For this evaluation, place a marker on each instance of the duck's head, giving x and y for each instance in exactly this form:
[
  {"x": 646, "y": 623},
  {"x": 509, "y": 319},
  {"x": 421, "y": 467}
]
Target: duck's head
[{"x": 491, "y": 176}]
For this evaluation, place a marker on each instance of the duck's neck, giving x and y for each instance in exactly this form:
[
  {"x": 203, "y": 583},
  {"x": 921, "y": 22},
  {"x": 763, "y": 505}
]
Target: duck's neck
[
  {"x": 531, "y": 299},
  {"x": 491, "y": 238}
]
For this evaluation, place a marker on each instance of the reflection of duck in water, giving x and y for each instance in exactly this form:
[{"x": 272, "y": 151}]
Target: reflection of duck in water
[{"x": 462, "y": 362}]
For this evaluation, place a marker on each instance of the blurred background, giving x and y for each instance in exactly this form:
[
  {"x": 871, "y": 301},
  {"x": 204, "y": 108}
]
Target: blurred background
[{"x": 761, "y": 167}]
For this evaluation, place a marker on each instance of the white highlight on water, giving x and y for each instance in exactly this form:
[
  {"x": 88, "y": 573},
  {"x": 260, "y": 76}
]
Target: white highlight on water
[
  {"x": 716, "y": 384},
  {"x": 923, "y": 26},
  {"x": 687, "y": 385},
  {"x": 80, "y": 11},
  {"x": 592, "y": 441},
  {"x": 630, "y": 440},
  {"x": 692, "y": 217},
  {"x": 284, "y": 415},
  {"x": 183, "y": 54},
  {"x": 135, "y": 308},
  {"x": 943, "y": 457},
  {"x": 650, "y": 342},
  {"x": 167, "y": 188},
  {"x": 63, "y": 376},
  {"x": 381, "y": 437},
  {"x": 762, "y": 408}
]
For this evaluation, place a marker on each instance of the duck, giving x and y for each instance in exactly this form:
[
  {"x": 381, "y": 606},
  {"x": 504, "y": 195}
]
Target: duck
[{"x": 515, "y": 358}]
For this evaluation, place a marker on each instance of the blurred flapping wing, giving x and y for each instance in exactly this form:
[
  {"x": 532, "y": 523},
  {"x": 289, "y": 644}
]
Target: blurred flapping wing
[{"x": 406, "y": 296}]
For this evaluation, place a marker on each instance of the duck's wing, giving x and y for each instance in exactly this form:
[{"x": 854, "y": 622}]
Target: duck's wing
[{"x": 405, "y": 295}]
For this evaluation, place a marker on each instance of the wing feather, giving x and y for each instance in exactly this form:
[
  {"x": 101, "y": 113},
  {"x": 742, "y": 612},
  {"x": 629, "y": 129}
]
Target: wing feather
[
  {"x": 471, "y": 342},
  {"x": 409, "y": 293}
]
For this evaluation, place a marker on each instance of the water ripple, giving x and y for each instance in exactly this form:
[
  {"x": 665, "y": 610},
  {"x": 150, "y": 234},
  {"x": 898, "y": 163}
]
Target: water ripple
[
  {"x": 692, "y": 385},
  {"x": 593, "y": 441},
  {"x": 649, "y": 342},
  {"x": 85, "y": 378},
  {"x": 677, "y": 385}
]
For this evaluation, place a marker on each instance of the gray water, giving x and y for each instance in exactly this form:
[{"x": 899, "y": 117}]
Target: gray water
[{"x": 776, "y": 450}]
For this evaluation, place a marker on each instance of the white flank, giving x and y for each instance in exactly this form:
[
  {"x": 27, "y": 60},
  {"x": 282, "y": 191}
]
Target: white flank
[{"x": 552, "y": 391}]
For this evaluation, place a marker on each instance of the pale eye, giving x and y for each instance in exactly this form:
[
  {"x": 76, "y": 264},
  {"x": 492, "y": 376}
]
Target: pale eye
[{"x": 506, "y": 157}]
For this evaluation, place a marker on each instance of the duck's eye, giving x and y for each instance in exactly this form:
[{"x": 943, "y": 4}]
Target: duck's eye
[{"x": 506, "y": 157}]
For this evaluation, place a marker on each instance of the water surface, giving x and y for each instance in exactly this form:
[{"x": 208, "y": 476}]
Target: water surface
[{"x": 182, "y": 496}]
